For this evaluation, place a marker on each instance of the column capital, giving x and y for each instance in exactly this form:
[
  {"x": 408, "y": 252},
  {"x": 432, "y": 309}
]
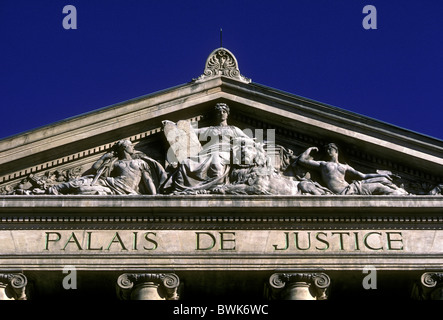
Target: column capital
[
  {"x": 166, "y": 284},
  {"x": 289, "y": 285},
  {"x": 14, "y": 285},
  {"x": 431, "y": 279},
  {"x": 432, "y": 285}
]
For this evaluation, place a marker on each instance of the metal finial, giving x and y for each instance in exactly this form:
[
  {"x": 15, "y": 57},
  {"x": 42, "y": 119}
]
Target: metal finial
[{"x": 221, "y": 38}]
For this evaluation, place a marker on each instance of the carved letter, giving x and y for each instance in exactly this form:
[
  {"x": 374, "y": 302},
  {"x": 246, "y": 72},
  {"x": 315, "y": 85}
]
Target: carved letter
[
  {"x": 389, "y": 241},
  {"x": 296, "y": 241},
  {"x": 119, "y": 240},
  {"x": 134, "y": 241},
  {"x": 88, "y": 243},
  {"x": 357, "y": 247},
  {"x": 223, "y": 240},
  {"x": 365, "y": 241},
  {"x": 198, "y": 241},
  {"x": 154, "y": 243},
  {"x": 322, "y": 240},
  {"x": 341, "y": 238},
  {"x": 287, "y": 243},
  {"x": 73, "y": 239},
  {"x": 51, "y": 240}
]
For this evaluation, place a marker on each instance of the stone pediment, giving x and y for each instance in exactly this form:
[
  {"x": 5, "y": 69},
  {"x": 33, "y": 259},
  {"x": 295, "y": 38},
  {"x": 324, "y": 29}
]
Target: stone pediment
[
  {"x": 287, "y": 124},
  {"x": 220, "y": 176}
]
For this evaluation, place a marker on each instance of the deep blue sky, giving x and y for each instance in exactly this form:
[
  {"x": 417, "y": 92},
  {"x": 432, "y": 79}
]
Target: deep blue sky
[{"x": 317, "y": 49}]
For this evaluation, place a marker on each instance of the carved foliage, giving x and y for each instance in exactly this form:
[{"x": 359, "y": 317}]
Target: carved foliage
[{"x": 221, "y": 62}]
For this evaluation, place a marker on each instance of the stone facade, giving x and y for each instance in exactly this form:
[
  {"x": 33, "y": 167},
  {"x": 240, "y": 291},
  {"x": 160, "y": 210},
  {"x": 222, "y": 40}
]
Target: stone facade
[{"x": 219, "y": 188}]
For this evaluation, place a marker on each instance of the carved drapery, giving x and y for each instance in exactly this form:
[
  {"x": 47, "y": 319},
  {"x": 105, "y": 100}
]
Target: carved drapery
[
  {"x": 148, "y": 286},
  {"x": 13, "y": 286},
  {"x": 299, "y": 286}
]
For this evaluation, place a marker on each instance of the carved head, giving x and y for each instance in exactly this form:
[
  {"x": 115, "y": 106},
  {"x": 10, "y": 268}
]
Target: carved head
[
  {"x": 222, "y": 107},
  {"x": 331, "y": 150},
  {"x": 332, "y": 145},
  {"x": 124, "y": 145},
  {"x": 246, "y": 152}
]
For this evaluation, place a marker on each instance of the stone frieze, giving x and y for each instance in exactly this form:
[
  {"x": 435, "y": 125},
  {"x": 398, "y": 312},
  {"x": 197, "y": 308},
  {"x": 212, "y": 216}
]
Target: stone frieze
[{"x": 219, "y": 159}]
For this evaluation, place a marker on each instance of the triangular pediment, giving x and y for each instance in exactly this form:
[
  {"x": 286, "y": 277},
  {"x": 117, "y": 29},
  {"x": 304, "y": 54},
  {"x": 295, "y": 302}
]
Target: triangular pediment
[{"x": 70, "y": 147}]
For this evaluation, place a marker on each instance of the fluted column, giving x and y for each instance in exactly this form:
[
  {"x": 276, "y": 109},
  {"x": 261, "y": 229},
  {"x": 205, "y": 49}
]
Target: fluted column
[
  {"x": 148, "y": 286},
  {"x": 299, "y": 286},
  {"x": 431, "y": 286},
  {"x": 13, "y": 286}
]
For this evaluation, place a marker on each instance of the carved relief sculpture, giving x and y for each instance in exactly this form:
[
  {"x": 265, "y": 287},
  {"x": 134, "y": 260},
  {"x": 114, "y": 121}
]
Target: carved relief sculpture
[
  {"x": 333, "y": 174},
  {"x": 252, "y": 173},
  {"x": 230, "y": 162},
  {"x": 209, "y": 168},
  {"x": 120, "y": 171},
  {"x": 219, "y": 159}
]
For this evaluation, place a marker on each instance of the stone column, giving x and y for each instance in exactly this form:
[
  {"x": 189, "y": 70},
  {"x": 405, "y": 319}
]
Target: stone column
[
  {"x": 148, "y": 286},
  {"x": 431, "y": 284},
  {"x": 13, "y": 286},
  {"x": 299, "y": 286}
]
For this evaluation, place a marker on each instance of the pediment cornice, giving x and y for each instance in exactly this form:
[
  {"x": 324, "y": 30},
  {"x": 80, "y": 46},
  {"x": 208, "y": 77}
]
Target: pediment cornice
[{"x": 219, "y": 206}]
